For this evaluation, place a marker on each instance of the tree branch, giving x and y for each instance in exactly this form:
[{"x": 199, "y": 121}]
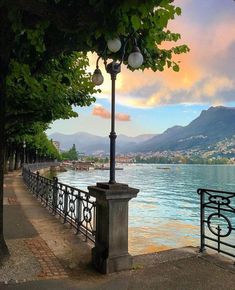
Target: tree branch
[{"x": 68, "y": 19}]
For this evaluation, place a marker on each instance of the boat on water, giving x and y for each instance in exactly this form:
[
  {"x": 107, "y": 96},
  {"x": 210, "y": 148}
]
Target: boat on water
[{"x": 164, "y": 168}]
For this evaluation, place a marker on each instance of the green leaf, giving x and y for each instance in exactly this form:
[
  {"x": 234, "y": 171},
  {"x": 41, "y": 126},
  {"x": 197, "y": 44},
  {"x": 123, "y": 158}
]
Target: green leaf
[
  {"x": 135, "y": 22},
  {"x": 175, "y": 67},
  {"x": 178, "y": 10}
]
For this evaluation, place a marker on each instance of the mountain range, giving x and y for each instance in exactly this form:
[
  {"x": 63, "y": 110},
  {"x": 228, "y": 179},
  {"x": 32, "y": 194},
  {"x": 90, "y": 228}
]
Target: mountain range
[
  {"x": 93, "y": 144},
  {"x": 210, "y": 127}
]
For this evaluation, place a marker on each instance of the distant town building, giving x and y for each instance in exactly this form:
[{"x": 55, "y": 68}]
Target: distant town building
[
  {"x": 56, "y": 144},
  {"x": 124, "y": 159}
]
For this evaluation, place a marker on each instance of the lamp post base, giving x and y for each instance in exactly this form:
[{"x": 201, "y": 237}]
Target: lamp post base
[
  {"x": 110, "y": 253},
  {"x": 110, "y": 264}
]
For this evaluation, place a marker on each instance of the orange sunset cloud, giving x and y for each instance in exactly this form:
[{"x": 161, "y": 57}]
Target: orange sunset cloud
[
  {"x": 206, "y": 72},
  {"x": 101, "y": 112},
  {"x": 105, "y": 114}
]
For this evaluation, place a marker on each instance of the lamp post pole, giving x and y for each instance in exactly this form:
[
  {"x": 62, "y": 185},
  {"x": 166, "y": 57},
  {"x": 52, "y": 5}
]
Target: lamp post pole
[
  {"x": 135, "y": 60},
  {"x": 113, "y": 69},
  {"x": 110, "y": 253}
]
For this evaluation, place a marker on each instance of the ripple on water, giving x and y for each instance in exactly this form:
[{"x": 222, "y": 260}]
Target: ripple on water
[{"x": 165, "y": 213}]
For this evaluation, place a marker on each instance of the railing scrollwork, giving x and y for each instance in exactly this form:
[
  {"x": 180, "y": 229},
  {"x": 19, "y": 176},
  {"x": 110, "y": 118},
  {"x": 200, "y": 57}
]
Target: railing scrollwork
[
  {"x": 75, "y": 206},
  {"x": 217, "y": 221}
]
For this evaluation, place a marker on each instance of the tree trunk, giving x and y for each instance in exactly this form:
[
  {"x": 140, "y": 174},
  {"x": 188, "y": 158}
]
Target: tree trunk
[
  {"x": 17, "y": 159},
  {"x": 3, "y": 247},
  {"x": 30, "y": 157},
  {"x": 6, "y": 156},
  {"x": 11, "y": 159},
  {"x": 6, "y": 45}
]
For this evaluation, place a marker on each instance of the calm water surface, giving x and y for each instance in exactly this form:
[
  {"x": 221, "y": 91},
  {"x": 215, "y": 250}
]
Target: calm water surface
[{"x": 166, "y": 212}]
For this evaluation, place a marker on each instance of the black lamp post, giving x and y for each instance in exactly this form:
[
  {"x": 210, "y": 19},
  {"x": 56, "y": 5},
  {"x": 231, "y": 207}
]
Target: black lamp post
[{"x": 135, "y": 60}]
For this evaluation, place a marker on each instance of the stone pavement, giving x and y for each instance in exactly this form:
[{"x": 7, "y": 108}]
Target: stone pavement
[{"x": 46, "y": 254}]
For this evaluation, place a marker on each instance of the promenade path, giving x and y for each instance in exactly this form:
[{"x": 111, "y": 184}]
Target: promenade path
[{"x": 45, "y": 254}]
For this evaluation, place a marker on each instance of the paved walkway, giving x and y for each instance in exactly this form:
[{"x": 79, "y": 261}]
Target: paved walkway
[{"x": 45, "y": 254}]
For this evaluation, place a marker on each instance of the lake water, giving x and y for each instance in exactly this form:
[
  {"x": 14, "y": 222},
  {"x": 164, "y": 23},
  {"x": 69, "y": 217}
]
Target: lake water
[{"x": 165, "y": 213}]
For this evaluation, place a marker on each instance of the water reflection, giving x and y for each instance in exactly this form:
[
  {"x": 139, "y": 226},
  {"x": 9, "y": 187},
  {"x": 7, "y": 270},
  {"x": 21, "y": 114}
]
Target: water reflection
[{"x": 166, "y": 212}]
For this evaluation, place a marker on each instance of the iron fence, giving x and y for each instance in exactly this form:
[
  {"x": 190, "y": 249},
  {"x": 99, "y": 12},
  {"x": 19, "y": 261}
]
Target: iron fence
[
  {"x": 217, "y": 221},
  {"x": 41, "y": 165},
  {"x": 73, "y": 205}
]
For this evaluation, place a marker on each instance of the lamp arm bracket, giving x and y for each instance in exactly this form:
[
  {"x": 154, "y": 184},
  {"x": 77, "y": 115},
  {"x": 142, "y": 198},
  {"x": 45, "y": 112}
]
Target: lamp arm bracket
[
  {"x": 124, "y": 46},
  {"x": 103, "y": 54}
]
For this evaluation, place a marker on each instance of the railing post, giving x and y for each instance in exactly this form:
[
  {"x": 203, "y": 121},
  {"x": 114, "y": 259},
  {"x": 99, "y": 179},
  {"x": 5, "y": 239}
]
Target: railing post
[
  {"x": 66, "y": 197},
  {"x": 79, "y": 211},
  {"x": 55, "y": 194},
  {"x": 28, "y": 176},
  {"x": 34, "y": 184},
  {"x": 37, "y": 184},
  {"x": 30, "y": 181},
  {"x": 202, "y": 218},
  {"x": 94, "y": 218}
]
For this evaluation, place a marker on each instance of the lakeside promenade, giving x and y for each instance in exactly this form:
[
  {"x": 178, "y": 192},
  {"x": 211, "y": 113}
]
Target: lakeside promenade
[{"x": 45, "y": 254}]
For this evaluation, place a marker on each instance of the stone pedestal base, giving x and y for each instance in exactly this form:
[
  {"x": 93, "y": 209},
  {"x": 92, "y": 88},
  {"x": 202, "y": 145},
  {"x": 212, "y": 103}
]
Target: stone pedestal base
[
  {"x": 110, "y": 253},
  {"x": 111, "y": 264}
]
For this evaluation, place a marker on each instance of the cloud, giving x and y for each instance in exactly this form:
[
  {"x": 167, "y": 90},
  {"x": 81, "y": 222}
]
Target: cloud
[
  {"x": 100, "y": 111},
  {"x": 215, "y": 85},
  {"x": 122, "y": 117},
  {"x": 207, "y": 71}
]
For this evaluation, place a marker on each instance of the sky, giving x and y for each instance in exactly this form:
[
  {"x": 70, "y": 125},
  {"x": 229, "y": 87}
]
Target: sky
[{"x": 150, "y": 102}]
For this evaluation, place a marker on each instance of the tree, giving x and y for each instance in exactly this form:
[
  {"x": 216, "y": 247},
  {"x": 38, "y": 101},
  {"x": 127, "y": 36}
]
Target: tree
[
  {"x": 71, "y": 154},
  {"x": 38, "y": 146},
  {"x": 36, "y": 35},
  {"x": 47, "y": 96},
  {"x": 44, "y": 97}
]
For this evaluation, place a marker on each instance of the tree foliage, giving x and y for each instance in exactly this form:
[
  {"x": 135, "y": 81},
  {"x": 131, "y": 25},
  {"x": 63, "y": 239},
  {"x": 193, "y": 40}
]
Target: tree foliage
[
  {"x": 47, "y": 96},
  {"x": 180, "y": 159},
  {"x": 47, "y": 28},
  {"x": 45, "y": 46},
  {"x": 71, "y": 154},
  {"x": 43, "y": 146},
  {"x": 47, "y": 42},
  {"x": 43, "y": 62}
]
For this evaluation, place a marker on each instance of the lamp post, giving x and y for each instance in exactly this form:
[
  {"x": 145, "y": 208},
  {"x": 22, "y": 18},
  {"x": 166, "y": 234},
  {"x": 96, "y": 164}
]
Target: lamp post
[
  {"x": 24, "y": 146},
  {"x": 135, "y": 60},
  {"x": 110, "y": 253}
]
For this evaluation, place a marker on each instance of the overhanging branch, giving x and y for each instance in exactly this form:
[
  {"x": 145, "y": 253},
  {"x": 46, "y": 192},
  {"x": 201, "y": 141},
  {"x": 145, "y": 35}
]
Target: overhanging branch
[{"x": 67, "y": 18}]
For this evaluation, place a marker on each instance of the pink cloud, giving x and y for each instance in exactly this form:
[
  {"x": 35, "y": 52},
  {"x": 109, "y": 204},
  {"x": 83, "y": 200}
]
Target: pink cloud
[
  {"x": 105, "y": 114},
  {"x": 101, "y": 112},
  {"x": 122, "y": 117},
  {"x": 206, "y": 72}
]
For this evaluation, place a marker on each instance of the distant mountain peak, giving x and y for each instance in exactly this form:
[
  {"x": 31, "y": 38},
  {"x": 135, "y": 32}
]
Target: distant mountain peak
[
  {"x": 212, "y": 108},
  {"x": 211, "y": 126},
  {"x": 218, "y": 108},
  {"x": 173, "y": 129},
  {"x": 216, "y": 124}
]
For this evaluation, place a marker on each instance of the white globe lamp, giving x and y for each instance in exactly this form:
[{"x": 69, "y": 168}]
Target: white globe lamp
[
  {"x": 97, "y": 77},
  {"x": 135, "y": 59},
  {"x": 114, "y": 45}
]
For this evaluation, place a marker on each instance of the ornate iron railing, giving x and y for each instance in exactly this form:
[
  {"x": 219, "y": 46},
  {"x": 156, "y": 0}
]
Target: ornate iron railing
[
  {"x": 217, "y": 221},
  {"x": 73, "y": 205},
  {"x": 37, "y": 166}
]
